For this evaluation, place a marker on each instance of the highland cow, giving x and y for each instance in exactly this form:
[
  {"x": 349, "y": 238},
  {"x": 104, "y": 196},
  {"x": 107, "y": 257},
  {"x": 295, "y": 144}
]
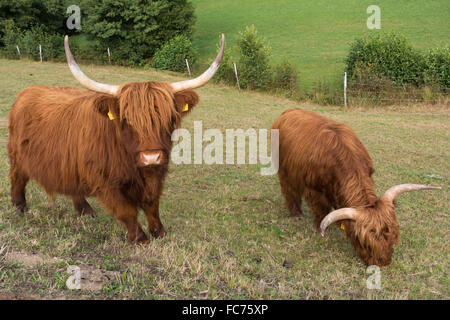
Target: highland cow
[
  {"x": 112, "y": 142},
  {"x": 324, "y": 162}
]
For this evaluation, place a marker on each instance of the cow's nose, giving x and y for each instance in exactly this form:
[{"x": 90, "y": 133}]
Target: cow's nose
[{"x": 150, "y": 157}]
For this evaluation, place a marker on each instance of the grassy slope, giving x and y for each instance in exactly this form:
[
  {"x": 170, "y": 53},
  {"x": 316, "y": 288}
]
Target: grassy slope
[
  {"x": 315, "y": 35},
  {"x": 228, "y": 230}
]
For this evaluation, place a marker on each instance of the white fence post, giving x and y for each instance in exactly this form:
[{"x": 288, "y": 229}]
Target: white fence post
[
  {"x": 237, "y": 78},
  {"x": 18, "y": 51},
  {"x": 189, "y": 69},
  {"x": 40, "y": 52},
  {"x": 109, "y": 56},
  {"x": 345, "y": 89}
]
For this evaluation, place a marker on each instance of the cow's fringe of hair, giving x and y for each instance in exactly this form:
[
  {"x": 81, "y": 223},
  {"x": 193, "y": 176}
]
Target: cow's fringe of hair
[{"x": 160, "y": 114}]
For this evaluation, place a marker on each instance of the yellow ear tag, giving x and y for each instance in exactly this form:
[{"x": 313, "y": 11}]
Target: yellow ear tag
[
  {"x": 186, "y": 107},
  {"x": 342, "y": 226},
  {"x": 110, "y": 115}
]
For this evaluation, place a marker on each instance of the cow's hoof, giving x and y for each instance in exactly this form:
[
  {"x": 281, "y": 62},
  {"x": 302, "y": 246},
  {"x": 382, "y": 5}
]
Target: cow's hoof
[
  {"x": 140, "y": 239},
  {"x": 88, "y": 212},
  {"x": 20, "y": 210},
  {"x": 296, "y": 212},
  {"x": 158, "y": 234},
  {"x": 84, "y": 209}
]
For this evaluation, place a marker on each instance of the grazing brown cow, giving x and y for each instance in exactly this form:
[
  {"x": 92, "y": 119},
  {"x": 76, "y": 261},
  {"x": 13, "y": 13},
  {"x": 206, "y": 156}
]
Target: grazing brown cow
[
  {"x": 112, "y": 142},
  {"x": 324, "y": 161}
]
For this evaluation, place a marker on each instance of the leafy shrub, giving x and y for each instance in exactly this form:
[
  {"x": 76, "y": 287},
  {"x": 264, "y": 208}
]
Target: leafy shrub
[
  {"x": 173, "y": 55},
  {"x": 390, "y": 56},
  {"x": 52, "y": 44},
  {"x": 29, "y": 41},
  {"x": 285, "y": 78},
  {"x": 51, "y": 14},
  {"x": 368, "y": 87},
  {"x": 11, "y": 35},
  {"x": 254, "y": 54},
  {"x": 225, "y": 73},
  {"x": 325, "y": 93},
  {"x": 135, "y": 29},
  {"x": 437, "y": 63}
]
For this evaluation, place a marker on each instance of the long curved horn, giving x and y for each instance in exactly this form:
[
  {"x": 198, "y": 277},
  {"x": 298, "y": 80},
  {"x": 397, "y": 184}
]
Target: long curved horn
[
  {"x": 205, "y": 77},
  {"x": 336, "y": 215},
  {"x": 393, "y": 192},
  {"x": 82, "y": 78}
]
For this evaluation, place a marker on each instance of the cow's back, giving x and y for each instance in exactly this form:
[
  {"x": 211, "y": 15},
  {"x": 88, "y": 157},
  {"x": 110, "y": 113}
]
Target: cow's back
[{"x": 320, "y": 153}]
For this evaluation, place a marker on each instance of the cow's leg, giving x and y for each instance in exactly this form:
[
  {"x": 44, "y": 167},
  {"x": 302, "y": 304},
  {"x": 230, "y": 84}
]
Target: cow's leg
[
  {"x": 19, "y": 181},
  {"x": 82, "y": 206},
  {"x": 293, "y": 197},
  {"x": 318, "y": 204},
  {"x": 155, "y": 226},
  {"x": 127, "y": 215}
]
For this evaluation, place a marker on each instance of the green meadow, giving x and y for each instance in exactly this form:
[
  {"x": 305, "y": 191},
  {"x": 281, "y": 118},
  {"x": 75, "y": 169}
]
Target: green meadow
[{"x": 315, "y": 34}]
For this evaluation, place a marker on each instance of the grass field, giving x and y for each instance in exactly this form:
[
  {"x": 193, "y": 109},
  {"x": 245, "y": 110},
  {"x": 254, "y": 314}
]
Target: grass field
[
  {"x": 229, "y": 234},
  {"x": 315, "y": 34}
]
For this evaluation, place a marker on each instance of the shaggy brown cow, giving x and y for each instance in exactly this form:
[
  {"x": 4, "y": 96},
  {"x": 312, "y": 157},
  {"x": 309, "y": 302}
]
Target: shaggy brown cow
[
  {"x": 112, "y": 142},
  {"x": 325, "y": 162}
]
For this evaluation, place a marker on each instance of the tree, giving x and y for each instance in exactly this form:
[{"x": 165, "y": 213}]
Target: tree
[
  {"x": 135, "y": 29},
  {"x": 50, "y": 14},
  {"x": 254, "y": 56}
]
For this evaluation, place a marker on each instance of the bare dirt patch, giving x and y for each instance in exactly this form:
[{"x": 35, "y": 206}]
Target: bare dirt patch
[
  {"x": 29, "y": 260},
  {"x": 13, "y": 296},
  {"x": 92, "y": 279}
]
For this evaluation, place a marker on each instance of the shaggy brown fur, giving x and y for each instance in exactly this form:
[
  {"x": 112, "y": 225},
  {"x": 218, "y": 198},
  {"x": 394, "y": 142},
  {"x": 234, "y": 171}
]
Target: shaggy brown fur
[
  {"x": 325, "y": 162},
  {"x": 62, "y": 138}
]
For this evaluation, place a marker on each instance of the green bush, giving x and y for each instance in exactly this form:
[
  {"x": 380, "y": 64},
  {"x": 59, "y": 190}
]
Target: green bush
[
  {"x": 438, "y": 66},
  {"x": 10, "y": 39},
  {"x": 50, "y": 14},
  {"x": 172, "y": 55},
  {"x": 285, "y": 78},
  {"x": 52, "y": 44},
  {"x": 390, "y": 56},
  {"x": 253, "y": 63},
  {"x": 136, "y": 29},
  {"x": 225, "y": 73}
]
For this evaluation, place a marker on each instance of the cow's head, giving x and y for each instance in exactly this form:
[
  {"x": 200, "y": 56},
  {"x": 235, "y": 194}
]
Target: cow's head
[
  {"x": 146, "y": 112},
  {"x": 373, "y": 230}
]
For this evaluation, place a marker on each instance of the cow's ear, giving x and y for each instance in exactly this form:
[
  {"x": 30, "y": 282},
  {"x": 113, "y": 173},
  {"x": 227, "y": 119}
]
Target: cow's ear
[
  {"x": 107, "y": 106},
  {"x": 186, "y": 100}
]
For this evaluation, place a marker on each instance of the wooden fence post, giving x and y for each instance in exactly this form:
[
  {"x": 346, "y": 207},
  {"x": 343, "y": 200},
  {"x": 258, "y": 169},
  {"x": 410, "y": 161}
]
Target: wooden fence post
[
  {"x": 189, "y": 69},
  {"x": 345, "y": 89},
  {"x": 237, "y": 77}
]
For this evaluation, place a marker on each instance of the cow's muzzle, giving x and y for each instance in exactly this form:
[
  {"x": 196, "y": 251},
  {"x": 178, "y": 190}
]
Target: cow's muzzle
[{"x": 147, "y": 158}]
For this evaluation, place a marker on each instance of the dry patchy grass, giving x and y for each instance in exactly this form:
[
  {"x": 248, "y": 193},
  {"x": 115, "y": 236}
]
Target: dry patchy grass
[{"x": 229, "y": 234}]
